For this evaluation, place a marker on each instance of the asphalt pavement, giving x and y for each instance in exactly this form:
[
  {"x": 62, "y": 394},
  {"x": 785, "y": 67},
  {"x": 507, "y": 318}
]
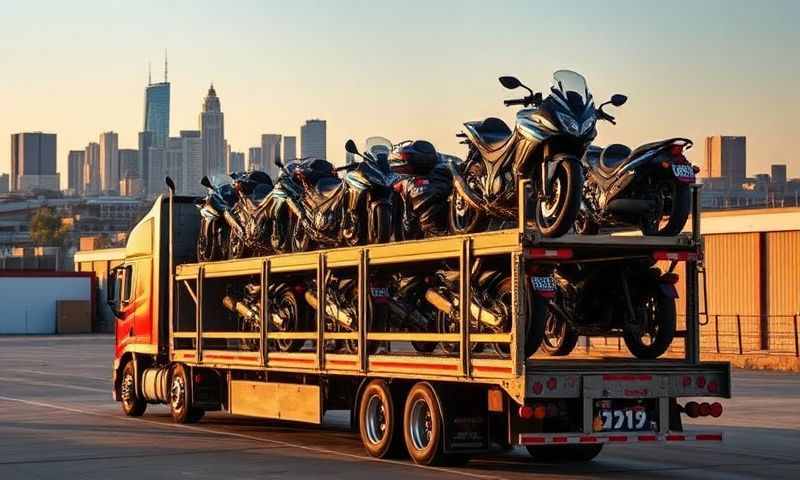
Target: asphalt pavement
[{"x": 57, "y": 420}]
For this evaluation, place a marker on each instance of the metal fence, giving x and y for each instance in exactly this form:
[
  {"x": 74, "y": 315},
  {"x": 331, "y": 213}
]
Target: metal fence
[{"x": 732, "y": 334}]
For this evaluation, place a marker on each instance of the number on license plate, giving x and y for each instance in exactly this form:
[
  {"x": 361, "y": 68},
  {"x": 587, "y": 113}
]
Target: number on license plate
[
  {"x": 543, "y": 284},
  {"x": 683, "y": 171},
  {"x": 624, "y": 419}
]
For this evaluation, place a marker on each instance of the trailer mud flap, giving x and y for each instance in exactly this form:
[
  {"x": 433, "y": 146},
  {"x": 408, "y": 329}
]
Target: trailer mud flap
[{"x": 466, "y": 423}]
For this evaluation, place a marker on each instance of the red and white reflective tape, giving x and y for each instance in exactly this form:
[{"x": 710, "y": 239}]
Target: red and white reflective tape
[
  {"x": 677, "y": 256},
  {"x": 621, "y": 437}
]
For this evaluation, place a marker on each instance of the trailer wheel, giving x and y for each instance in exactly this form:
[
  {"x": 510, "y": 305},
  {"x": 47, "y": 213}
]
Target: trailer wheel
[
  {"x": 423, "y": 425},
  {"x": 378, "y": 420},
  {"x": 180, "y": 397},
  {"x": 564, "y": 453},
  {"x": 132, "y": 404}
]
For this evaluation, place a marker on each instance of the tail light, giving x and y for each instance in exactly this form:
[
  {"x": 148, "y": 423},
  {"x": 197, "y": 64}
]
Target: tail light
[
  {"x": 715, "y": 409},
  {"x": 398, "y": 187},
  {"x": 713, "y": 386},
  {"x": 537, "y": 388},
  {"x": 421, "y": 182},
  {"x": 676, "y": 150},
  {"x": 525, "y": 412},
  {"x": 552, "y": 383},
  {"x": 704, "y": 410},
  {"x": 539, "y": 412},
  {"x": 692, "y": 409}
]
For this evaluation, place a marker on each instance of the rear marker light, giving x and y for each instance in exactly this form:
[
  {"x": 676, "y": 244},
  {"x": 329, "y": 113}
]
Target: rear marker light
[
  {"x": 713, "y": 386},
  {"x": 686, "y": 381},
  {"x": 539, "y": 412},
  {"x": 525, "y": 412},
  {"x": 537, "y": 388},
  {"x": 692, "y": 409},
  {"x": 552, "y": 383},
  {"x": 715, "y": 409},
  {"x": 701, "y": 382}
]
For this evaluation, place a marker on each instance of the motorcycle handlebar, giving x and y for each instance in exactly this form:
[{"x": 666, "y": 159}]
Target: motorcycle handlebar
[{"x": 516, "y": 101}]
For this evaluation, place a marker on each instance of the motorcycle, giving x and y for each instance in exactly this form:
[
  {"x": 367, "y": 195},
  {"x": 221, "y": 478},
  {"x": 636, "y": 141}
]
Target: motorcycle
[
  {"x": 491, "y": 307},
  {"x": 341, "y": 308},
  {"x": 423, "y": 185},
  {"x": 284, "y": 206},
  {"x": 287, "y": 314},
  {"x": 550, "y": 137},
  {"x": 631, "y": 298},
  {"x": 212, "y": 243},
  {"x": 355, "y": 210},
  {"x": 248, "y": 220},
  {"x": 647, "y": 187}
]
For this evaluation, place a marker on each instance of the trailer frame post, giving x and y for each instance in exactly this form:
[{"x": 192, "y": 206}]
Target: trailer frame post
[
  {"x": 519, "y": 313},
  {"x": 321, "y": 299},
  {"x": 465, "y": 294},
  {"x": 265, "y": 313},
  {"x": 362, "y": 309},
  {"x": 692, "y": 341},
  {"x": 201, "y": 276}
]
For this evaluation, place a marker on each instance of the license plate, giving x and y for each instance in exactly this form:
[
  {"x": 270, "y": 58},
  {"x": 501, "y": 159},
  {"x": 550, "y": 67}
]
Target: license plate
[
  {"x": 617, "y": 416},
  {"x": 543, "y": 284},
  {"x": 683, "y": 172},
  {"x": 379, "y": 292}
]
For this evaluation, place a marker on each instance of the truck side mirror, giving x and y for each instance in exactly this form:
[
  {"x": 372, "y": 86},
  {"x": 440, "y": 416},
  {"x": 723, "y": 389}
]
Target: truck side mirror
[{"x": 114, "y": 285}]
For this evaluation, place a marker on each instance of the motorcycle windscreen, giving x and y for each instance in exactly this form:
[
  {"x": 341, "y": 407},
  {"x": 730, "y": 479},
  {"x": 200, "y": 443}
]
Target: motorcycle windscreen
[{"x": 572, "y": 88}]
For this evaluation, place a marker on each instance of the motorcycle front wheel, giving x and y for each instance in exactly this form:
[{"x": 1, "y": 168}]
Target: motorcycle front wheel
[
  {"x": 236, "y": 247},
  {"x": 464, "y": 218},
  {"x": 380, "y": 223},
  {"x": 291, "y": 312},
  {"x": 650, "y": 334},
  {"x": 556, "y": 212}
]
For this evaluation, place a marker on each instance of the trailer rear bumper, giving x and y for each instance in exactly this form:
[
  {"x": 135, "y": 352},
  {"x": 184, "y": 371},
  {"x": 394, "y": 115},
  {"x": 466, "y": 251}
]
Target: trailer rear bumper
[{"x": 618, "y": 438}]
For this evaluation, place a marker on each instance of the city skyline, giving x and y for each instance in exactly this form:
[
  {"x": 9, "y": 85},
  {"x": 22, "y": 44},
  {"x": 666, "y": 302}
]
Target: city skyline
[{"x": 719, "y": 71}]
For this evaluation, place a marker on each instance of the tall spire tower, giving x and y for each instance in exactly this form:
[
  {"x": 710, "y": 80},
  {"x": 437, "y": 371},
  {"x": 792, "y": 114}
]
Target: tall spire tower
[{"x": 166, "y": 67}]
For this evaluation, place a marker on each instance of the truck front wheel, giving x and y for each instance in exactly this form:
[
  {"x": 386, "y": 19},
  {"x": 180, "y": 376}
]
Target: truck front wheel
[
  {"x": 564, "y": 453},
  {"x": 132, "y": 404},
  {"x": 180, "y": 397}
]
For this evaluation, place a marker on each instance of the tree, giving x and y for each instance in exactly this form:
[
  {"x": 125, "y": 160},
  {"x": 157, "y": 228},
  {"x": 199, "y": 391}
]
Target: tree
[{"x": 46, "y": 228}]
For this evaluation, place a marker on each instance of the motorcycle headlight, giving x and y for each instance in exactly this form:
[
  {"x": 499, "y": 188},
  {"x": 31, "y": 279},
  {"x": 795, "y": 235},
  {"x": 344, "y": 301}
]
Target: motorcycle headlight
[
  {"x": 588, "y": 124},
  {"x": 569, "y": 123}
]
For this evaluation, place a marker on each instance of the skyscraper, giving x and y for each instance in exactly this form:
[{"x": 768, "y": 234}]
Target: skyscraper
[
  {"x": 75, "y": 160},
  {"x": 4, "y": 183},
  {"x": 181, "y": 160},
  {"x": 254, "y": 159},
  {"x": 109, "y": 162},
  {"x": 270, "y": 151},
  {"x": 235, "y": 161},
  {"x": 128, "y": 163},
  {"x": 33, "y": 162},
  {"x": 726, "y": 157},
  {"x": 313, "y": 137},
  {"x": 289, "y": 148},
  {"x": 156, "y": 109},
  {"x": 145, "y": 142},
  {"x": 91, "y": 169},
  {"x": 212, "y": 131}
]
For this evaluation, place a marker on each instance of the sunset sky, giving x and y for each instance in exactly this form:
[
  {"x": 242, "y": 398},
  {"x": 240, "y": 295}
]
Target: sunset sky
[{"x": 413, "y": 69}]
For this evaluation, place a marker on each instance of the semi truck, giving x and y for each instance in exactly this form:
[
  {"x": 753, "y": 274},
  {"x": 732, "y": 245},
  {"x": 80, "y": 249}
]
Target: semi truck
[{"x": 178, "y": 343}]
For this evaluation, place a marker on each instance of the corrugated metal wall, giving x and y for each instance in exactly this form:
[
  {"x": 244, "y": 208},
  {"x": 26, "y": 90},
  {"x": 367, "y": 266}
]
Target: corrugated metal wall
[{"x": 783, "y": 289}]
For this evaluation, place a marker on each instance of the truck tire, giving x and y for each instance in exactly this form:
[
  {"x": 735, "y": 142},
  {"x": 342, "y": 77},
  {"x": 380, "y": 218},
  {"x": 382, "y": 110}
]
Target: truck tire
[
  {"x": 423, "y": 426},
  {"x": 379, "y": 420},
  {"x": 132, "y": 404},
  {"x": 180, "y": 397},
  {"x": 564, "y": 453}
]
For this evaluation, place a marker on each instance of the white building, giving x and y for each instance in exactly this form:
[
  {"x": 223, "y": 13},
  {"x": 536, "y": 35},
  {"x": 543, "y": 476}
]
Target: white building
[
  {"x": 289, "y": 148},
  {"x": 313, "y": 138},
  {"x": 212, "y": 130},
  {"x": 91, "y": 169},
  {"x": 270, "y": 151}
]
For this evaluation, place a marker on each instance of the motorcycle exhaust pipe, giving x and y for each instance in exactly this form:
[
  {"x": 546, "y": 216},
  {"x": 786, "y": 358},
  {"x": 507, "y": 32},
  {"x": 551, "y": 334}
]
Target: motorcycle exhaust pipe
[
  {"x": 629, "y": 205},
  {"x": 330, "y": 309},
  {"x": 445, "y": 306},
  {"x": 463, "y": 190},
  {"x": 238, "y": 307}
]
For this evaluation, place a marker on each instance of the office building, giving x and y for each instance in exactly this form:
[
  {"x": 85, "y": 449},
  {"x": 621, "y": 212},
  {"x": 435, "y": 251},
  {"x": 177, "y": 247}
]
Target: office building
[
  {"x": 75, "y": 160},
  {"x": 212, "y": 131},
  {"x": 726, "y": 159},
  {"x": 109, "y": 162},
  {"x": 91, "y": 169},
  {"x": 289, "y": 148},
  {"x": 270, "y": 151},
  {"x": 254, "y": 159},
  {"x": 143, "y": 165},
  {"x": 235, "y": 161},
  {"x": 128, "y": 163},
  {"x": 313, "y": 138},
  {"x": 154, "y": 183},
  {"x": 4, "y": 183},
  {"x": 33, "y": 162},
  {"x": 182, "y": 160},
  {"x": 156, "y": 109},
  {"x": 778, "y": 174}
]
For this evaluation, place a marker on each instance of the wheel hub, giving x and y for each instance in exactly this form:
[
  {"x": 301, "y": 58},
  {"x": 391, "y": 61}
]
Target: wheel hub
[
  {"x": 177, "y": 393},
  {"x": 127, "y": 389},
  {"x": 376, "y": 420},
  {"x": 421, "y": 425}
]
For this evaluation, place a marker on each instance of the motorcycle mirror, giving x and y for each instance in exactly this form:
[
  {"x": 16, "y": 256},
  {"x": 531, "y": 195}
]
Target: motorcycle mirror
[
  {"x": 278, "y": 163},
  {"x": 618, "y": 99},
  {"x": 510, "y": 82},
  {"x": 170, "y": 184},
  {"x": 350, "y": 147},
  {"x": 205, "y": 182}
]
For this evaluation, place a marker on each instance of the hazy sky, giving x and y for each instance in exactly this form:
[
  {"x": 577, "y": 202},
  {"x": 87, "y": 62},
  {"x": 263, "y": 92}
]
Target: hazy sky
[{"x": 412, "y": 69}]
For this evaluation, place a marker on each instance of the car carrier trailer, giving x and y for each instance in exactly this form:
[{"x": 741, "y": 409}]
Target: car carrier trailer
[{"x": 175, "y": 344}]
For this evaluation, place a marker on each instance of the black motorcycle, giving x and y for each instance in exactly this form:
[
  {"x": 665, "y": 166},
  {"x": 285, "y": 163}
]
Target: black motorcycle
[
  {"x": 491, "y": 308},
  {"x": 212, "y": 241},
  {"x": 423, "y": 184},
  {"x": 248, "y": 220},
  {"x": 633, "y": 299},
  {"x": 648, "y": 187},
  {"x": 550, "y": 137},
  {"x": 287, "y": 313},
  {"x": 354, "y": 210}
]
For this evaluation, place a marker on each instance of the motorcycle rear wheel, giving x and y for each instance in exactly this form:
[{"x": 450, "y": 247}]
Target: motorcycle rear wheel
[
  {"x": 676, "y": 200},
  {"x": 292, "y": 322},
  {"x": 661, "y": 317},
  {"x": 560, "y": 338},
  {"x": 556, "y": 214}
]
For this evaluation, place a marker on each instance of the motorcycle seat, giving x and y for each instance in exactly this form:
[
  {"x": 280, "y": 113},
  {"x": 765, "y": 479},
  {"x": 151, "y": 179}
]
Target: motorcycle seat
[
  {"x": 260, "y": 192},
  {"x": 607, "y": 161},
  {"x": 492, "y": 133}
]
